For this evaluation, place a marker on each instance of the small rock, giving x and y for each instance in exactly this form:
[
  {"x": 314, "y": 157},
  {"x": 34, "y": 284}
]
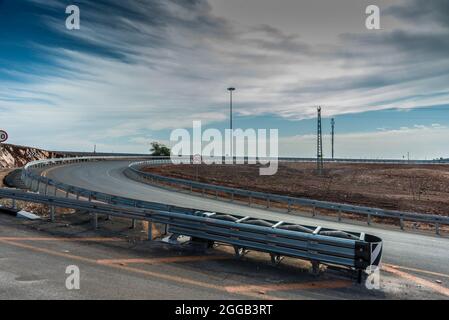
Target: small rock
[
  {"x": 439, "y": 281},
  {"x": 261, "y": 292}
]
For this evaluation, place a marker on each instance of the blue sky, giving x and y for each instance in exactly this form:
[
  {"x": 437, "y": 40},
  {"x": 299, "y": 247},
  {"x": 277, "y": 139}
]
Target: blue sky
[{"x": 138, "y": 69}]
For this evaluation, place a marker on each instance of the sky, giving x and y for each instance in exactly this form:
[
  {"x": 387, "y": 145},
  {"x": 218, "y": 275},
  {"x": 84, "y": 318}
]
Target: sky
[{"x": 136, "y": 70}]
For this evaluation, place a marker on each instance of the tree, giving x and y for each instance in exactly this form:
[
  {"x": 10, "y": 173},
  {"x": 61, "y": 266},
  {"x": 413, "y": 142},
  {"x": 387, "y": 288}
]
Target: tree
[{"x": 159, "y": 150}]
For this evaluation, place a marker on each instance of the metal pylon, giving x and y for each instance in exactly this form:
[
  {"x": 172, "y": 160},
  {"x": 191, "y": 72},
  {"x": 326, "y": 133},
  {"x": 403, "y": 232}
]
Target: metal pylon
[{"x": 319, "y": 144}]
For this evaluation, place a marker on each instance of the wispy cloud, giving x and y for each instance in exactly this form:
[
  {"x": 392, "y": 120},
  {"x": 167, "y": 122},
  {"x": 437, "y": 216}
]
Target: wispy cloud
[
  {"x": 140, "y": 66},
  {"x": 385, "y": 144}
]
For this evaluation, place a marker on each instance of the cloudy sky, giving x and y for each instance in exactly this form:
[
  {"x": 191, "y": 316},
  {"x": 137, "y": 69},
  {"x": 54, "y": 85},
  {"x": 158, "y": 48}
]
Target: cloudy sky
[{"x": 138, "y": 69}]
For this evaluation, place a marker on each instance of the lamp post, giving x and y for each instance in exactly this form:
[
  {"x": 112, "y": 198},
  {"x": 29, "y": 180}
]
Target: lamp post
[{"x": 231, "y": 89}]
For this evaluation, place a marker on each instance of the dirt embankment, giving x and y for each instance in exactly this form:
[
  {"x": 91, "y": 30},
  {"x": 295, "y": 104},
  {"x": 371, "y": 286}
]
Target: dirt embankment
[
  {"x": 13, "y": 156},
  {"x": 417, "y": 188}
]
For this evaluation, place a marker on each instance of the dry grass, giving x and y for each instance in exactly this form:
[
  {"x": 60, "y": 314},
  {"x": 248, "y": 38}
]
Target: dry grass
[{"x": 423, "y": 189}]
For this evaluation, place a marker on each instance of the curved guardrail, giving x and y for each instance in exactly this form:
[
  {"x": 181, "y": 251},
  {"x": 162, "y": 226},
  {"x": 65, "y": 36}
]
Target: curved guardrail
[
  {"x": 357, "y": 251},
  {"x": 134, "y": 172},
  {"x": 368, "y": 161}
]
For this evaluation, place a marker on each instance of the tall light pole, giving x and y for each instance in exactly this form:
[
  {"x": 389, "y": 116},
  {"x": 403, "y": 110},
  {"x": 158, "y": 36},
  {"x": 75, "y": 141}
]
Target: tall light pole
[{"x": 231, "y": 89}]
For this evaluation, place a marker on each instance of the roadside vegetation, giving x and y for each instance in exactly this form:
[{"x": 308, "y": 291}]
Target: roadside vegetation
[{"x": 159, "y": 150}]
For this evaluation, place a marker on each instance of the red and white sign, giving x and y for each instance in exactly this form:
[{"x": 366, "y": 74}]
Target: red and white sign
[{"x": 3, "y": 136}]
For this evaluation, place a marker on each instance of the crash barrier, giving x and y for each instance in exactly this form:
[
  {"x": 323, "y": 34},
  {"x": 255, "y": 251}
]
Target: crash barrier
[{"x": 357, "y": 251}]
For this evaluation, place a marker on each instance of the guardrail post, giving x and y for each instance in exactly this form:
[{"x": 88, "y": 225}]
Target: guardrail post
[
  {"x": 437, "y": 228},
  {"x": 249, "y": 200},
  {"x": 67, "y": 194},
  {"x": 339, "y": 215},
  {"x": 52, "y": 213},
  {"x": 150, "y": 231},
  {"x": 315, "y": 267},
  {"x": 314, "y": 211},
  {"x": 14, "y": 203},
  {"x": 95, "y": 220},
  {"x": 133, "y": 223},
  {"x": 216, "y": 194},
  {"x": 268, "y": 202},
  {"x": 401, "y": 221},
  {"x": 202, "y": 192},
  {"x": 369, "y": 219},
  {"x": 46, "y": 188},
  {"x": 38, "y": 186},
  {"x": 191, "y": 189},
  {"x": 232, "y": 196}
]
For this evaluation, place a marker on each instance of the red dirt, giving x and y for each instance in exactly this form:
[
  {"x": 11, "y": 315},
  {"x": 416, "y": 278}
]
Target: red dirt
[{"x": 416, "y": 188}]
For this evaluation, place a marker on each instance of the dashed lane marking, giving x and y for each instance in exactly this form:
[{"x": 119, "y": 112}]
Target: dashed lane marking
[
  {"x": 65, "y": 239},
  {"x": 290, "y": 286},
  {"x": 436, "y": 287},
  {"x": 437, "y": 274},
  {"x": 163, "y": 260},
  {"x": 173, "y": 278}
]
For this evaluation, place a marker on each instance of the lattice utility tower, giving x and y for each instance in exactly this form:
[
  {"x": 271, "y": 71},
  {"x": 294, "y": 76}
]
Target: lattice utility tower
[
  {"x": 319, "y": 159},
  {"x": 333, "y": 135}
]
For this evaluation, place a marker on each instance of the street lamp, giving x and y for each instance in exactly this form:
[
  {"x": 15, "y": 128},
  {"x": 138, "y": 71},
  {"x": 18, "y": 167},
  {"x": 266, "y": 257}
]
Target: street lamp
[{"x": 231, "y": 89}]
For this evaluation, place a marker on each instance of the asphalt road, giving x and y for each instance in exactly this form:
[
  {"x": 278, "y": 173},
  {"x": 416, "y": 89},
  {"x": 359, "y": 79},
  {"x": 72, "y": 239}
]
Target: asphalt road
[
  {"x": 113, "y": 265},
  {"x": 422, "y": 260}
]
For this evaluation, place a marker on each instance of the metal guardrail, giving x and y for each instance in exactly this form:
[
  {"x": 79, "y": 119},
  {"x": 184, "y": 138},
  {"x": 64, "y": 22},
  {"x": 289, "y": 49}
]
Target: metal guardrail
[
  {"x": 319, "y": 245},
  {"x": 368, "y": 161},
  {"x": 134, "y": 172}
]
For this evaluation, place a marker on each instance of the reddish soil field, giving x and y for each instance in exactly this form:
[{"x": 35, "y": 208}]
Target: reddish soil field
[{"x": 415, "y": 188}]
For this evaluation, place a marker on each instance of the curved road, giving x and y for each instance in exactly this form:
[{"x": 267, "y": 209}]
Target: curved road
[{"x": 425, "y": 255}]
